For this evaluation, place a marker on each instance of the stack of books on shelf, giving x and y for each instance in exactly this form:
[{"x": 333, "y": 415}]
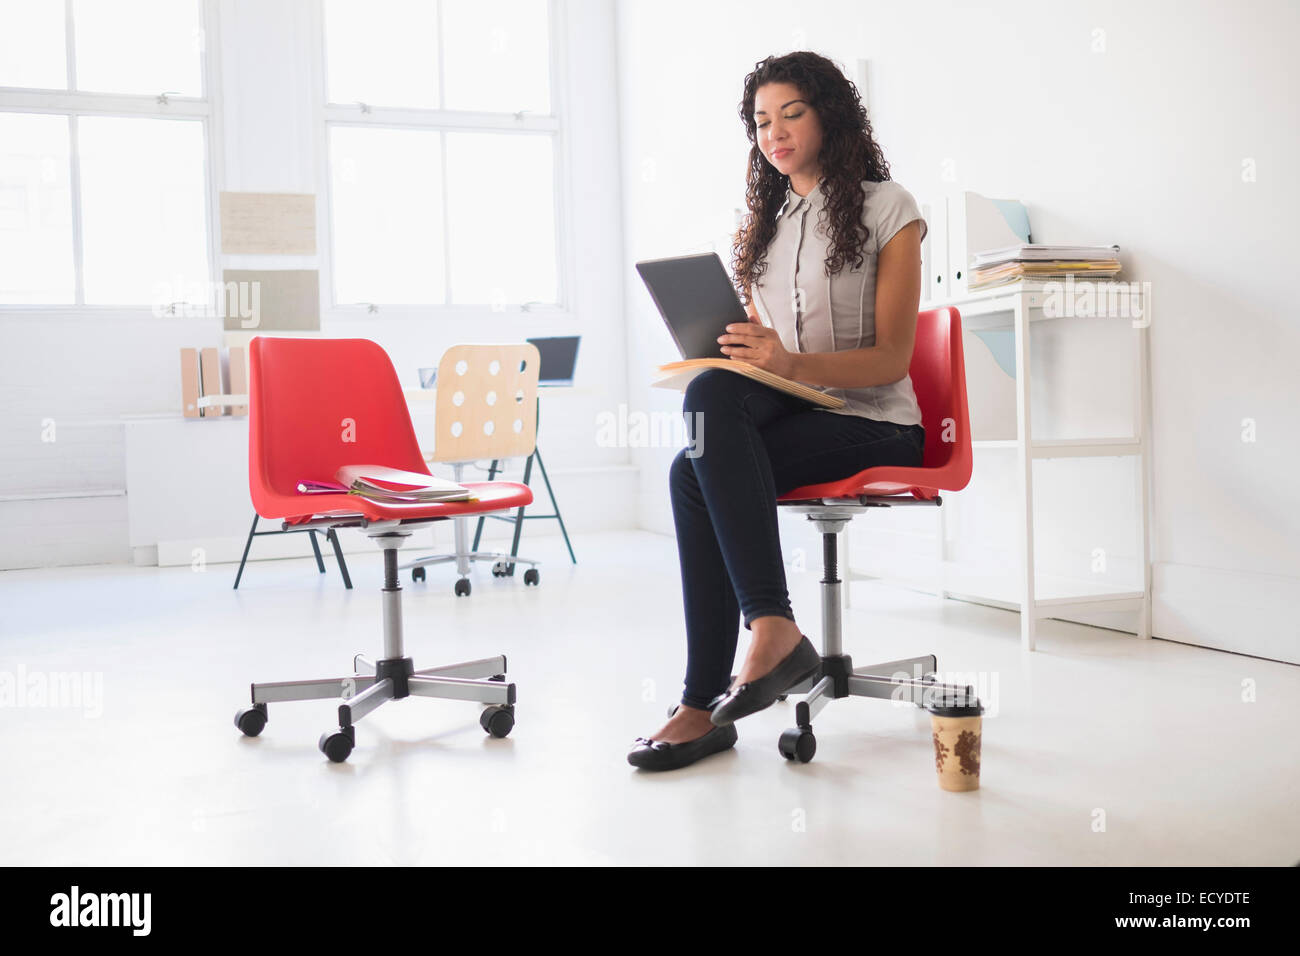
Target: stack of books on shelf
[{"x": 1037, "y": 261}]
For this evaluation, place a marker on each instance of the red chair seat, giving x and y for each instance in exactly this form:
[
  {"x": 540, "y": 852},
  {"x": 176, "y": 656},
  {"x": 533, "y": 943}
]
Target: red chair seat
[
  {"x": 885, "y": 480},
  {"x": 938, "y": 373}
]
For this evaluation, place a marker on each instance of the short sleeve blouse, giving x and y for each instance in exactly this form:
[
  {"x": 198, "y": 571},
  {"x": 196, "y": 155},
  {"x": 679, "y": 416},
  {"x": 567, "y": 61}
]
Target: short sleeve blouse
[{"x": 813, "y": 312}]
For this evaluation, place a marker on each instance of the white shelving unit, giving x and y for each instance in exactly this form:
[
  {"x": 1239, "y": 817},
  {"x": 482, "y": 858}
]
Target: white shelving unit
[{"x": 1019, "y": 306}]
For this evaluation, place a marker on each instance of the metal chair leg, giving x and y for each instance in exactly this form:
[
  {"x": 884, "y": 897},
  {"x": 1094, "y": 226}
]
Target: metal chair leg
[
  {"x": 247, "y": 544},
  {"x": 338, "y": 556},
  {"x": 519, "y": 518},
  {"x": 315, "y": 547},
  {"x": 478, "y": 531},
  {"x": 554, "y": 504}
]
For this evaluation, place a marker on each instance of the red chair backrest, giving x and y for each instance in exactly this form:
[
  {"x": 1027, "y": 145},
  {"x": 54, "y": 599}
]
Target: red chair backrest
[
  {"x": 938, "y": 373},
  {"x": 316, "y": 404}
]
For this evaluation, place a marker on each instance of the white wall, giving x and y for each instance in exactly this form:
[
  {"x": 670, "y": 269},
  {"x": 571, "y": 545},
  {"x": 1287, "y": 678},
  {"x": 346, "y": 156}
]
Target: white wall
[
  {"x": 1141, "y": 145},
  {"x": 85, "y": 368}
]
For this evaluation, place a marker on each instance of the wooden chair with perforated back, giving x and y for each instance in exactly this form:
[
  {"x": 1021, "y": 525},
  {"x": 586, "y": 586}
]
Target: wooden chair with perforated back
[{"x": 485, "y": 408}]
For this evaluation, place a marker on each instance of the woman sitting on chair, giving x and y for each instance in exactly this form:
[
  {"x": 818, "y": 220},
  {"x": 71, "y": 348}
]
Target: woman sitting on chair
[{"x": 831, "y": 252}]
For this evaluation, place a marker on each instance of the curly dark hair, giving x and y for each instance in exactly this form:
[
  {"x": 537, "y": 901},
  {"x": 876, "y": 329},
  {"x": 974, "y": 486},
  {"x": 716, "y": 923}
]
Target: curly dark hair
[{"x": 849, "y": 155}]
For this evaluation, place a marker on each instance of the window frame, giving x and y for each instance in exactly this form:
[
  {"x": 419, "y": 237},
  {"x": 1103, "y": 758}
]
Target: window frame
[
  {"x": 72, "y": 103},
  {"x": 442, "y": 121}
]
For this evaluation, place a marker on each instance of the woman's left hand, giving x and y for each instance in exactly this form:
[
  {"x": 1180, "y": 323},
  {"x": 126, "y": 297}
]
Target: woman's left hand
[{"x": 759, "y": 346}]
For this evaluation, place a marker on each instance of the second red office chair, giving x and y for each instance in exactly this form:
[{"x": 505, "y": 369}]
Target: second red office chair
[
  {"x": 318, "y": 404},
  {"x": 938, "y": 373}
]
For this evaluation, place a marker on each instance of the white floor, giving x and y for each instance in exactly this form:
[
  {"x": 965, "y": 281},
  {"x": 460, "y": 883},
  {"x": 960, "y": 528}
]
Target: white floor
[{"x": 1098, "y": 749}]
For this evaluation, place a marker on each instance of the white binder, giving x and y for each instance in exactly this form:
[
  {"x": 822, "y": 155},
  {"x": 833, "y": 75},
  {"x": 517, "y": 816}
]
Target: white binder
[
  {"x": 934, "y": 250},
  {"x": 976, "y": 223}
]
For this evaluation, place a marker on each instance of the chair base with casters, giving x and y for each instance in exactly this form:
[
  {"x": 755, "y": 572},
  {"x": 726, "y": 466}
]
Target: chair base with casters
[
  {"x": 911, "y": 679},
  {"x": 330, "y": 536},
  {"x": 394, "y": 675},
  {"x": 502, "y": 564}
]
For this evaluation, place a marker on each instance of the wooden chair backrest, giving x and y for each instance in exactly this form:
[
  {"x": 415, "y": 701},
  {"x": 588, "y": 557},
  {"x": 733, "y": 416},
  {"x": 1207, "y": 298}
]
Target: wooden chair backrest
[{"x": 486, "y": 404}]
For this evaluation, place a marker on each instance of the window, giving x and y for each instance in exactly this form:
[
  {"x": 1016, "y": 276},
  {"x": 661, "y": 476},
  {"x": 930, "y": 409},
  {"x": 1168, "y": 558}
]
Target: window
[
  {"x": 104, "y": 185},
  {"x": 441, "y": 143}
]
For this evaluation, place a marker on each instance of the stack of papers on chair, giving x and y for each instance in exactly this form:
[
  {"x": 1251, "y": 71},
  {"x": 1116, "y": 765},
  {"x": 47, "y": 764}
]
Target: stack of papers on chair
[
  {"x": 1038, "y": 261},
  {"x": 389, "y": 485}
]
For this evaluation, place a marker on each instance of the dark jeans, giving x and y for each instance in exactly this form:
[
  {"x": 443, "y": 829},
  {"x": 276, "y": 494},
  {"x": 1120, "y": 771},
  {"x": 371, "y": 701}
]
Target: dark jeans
[{"x": 755, "y": 444}]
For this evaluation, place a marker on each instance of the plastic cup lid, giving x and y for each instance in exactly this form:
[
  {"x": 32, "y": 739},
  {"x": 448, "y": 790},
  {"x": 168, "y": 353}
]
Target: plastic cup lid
[{"x": 954, "y": 705}]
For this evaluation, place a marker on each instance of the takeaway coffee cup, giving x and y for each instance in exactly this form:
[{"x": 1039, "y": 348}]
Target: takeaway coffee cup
[{"x": 955, "y": 725}]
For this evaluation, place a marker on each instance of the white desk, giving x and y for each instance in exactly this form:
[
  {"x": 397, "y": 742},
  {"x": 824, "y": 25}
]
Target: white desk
[{"x": 1019, "y": 306}]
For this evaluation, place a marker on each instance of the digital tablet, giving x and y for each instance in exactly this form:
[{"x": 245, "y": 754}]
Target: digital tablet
[{"x": 696, "y": 299}]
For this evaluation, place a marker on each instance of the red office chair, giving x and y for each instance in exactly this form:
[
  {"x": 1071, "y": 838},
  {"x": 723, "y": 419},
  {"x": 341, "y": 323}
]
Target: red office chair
[
  {"x": 317, "y": 404},
  {"x": 938, "y": 373}
]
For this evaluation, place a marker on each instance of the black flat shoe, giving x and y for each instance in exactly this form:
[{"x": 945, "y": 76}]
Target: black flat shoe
[
  {"x": 762, "y": 693},
  {"x": 650, "y": 754}
]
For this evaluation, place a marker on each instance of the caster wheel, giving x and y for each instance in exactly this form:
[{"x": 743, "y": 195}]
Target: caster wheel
[
  {"x": 498, "y": 571},
  {"x": 462, "y": 587},
  {"x": 797, "y": 744},
  {"x": 498, "y": 720},
  {"x": 531, "y": 576},
  {"x": 417, "y": 574},
  {"x": 251, "y": 720},
  {"x": 336, "y": 745}
]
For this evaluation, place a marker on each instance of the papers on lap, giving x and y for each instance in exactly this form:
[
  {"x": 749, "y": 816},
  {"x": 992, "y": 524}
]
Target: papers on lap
[
  {"x": 679, "y": 374},
  {"x": 391, "y": 485}
]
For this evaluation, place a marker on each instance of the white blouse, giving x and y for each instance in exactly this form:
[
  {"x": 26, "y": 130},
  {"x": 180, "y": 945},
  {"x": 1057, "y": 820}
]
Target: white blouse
[{"x": 835, "y": 313}]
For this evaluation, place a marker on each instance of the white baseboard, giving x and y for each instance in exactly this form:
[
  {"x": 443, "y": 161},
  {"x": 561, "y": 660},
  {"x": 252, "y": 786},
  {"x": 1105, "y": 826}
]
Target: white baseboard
[{"x": 1242, "y": 612}]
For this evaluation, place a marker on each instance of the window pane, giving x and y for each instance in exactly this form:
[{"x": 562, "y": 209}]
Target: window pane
[
  {"x": 35, "y": 210},
  {"x": 144, "y": 203},
  {"x": 501, "y": 218},
  {"x": 33, "y": 44},
  {"x": 497, "y": 55},
  {"x": 382, "y": 52},
  {"x": 138, "y": 46},
  {"x": 387, "y": 215}
]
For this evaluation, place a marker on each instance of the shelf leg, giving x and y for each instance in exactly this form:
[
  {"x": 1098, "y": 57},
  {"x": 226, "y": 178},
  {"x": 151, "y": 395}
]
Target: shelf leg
[
  {"x": 1025, "y": 463},
  {"x": 1144, "y": 466}
]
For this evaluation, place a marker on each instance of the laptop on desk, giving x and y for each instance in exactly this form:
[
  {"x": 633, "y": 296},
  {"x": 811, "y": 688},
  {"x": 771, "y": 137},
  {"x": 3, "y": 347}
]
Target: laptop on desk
[{"x": 559, "y": 354}]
